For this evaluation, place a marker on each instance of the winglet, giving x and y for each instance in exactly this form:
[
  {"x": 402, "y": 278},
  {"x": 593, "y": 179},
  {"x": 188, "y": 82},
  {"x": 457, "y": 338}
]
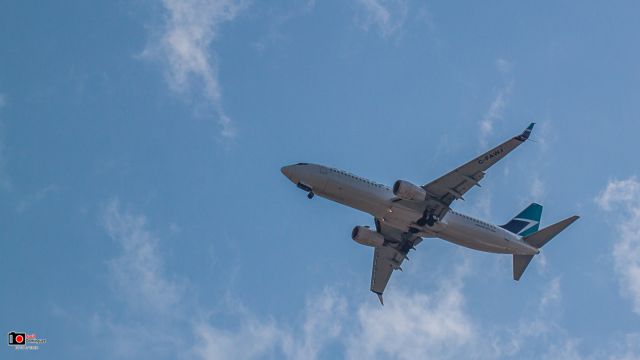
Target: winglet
[
  {"x": 380, "y": 298},
  {"x": 525, "y": 134}
]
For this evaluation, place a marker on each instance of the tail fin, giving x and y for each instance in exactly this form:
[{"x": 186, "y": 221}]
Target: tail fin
[
  {"x": 538, "y": 240},
  {"x": 527, "y": 222}
]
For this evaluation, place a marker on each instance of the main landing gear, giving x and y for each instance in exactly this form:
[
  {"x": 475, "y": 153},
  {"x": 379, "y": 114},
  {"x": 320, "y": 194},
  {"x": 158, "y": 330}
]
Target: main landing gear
[
  {"x": 427, "y": 219},
  {"x": 310, "y": 195}
]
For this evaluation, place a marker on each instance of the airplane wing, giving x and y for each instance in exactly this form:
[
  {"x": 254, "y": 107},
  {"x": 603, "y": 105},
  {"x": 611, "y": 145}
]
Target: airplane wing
[
  {"x": 389, "y": 257},
  {"x": 444, "y": 190}
]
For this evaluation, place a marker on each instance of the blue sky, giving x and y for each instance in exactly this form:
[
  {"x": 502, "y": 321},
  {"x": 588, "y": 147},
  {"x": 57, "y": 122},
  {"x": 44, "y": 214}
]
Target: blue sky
[{"x": 144, "y": 214}]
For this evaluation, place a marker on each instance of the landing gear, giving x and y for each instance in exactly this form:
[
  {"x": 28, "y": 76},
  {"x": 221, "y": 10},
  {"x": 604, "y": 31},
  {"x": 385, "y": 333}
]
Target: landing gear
[
  {"x": 307, "y": 189},
  {"x": 427, "y": 219}
]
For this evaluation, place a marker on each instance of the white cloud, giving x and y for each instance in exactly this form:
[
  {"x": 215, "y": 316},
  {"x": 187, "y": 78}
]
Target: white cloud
[
  {"x": 163, "y": 305},
  {"x": 538, "y": 189},
  {"x": 387, "y": 15},
  {"x": 191, "y": 28},
  {"x": 323, "y": 318},
  {"x": 39, "y": 195},
  {"x": 137, "y": 274},
  {"x": 323, "y": 323},
  {"x": 627, "y": 349},
  {"x": 494, "y": 114},
  {"x": 504, "y": 66},
  {"x": 438, "y": 320},
  {"x": 620, "y": 193},
  {"x": 622, "y": 197},
  {"x": 278, "y": 18},
  {"x": 552, "y": 294},
  {"x": 412, "y": 324},
  {"x": 499, "y": 103},
  {"x": 252, "y": 339},
  {"x": 566, "y": 350},
  {"x": 533, "y": 328}
]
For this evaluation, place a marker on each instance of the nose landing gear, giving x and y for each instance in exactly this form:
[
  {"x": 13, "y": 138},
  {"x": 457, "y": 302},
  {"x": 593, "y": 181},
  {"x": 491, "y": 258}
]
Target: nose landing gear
[{"x": 306, "y": 188}]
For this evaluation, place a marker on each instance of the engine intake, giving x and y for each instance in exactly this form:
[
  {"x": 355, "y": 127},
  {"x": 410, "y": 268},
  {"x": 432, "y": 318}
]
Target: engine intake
[
  {"x": 362, "y": 235},
  {"x": 408, "y": 191}
]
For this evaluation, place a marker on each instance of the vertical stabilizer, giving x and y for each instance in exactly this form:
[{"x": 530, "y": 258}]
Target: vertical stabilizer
[{"x": 526, "y": 222}]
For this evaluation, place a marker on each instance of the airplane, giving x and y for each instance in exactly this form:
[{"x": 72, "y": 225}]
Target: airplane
[{"x": 406, "y": 213}]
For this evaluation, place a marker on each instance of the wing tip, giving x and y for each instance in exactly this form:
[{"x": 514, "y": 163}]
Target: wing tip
[
  {"x": 526, "y": 133},
  {"x": 380, "y": 297}
]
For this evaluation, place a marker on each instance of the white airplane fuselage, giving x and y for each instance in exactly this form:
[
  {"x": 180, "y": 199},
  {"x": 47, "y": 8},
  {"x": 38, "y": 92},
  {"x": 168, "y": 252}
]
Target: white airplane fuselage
[{"x": 376, "y": 200}]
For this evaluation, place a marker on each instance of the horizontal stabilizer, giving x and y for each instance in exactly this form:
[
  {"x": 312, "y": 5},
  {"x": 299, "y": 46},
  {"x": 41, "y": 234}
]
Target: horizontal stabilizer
[
  {"x": 540, "y": 238},
  {"x": 520, "y": 263}
]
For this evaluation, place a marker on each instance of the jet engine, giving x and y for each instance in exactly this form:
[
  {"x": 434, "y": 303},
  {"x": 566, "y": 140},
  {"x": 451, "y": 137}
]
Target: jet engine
[
  {"x": 407, "y": 191},
  {"x": 362, "y": 235}
]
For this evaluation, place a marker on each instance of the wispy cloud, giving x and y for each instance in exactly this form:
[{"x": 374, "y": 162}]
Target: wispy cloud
[
  {"x": 185, "y": 45},
  {"x": 499, "y": 103},
  {"x": 164, "y": 308},
  {"x": 278, "y": 18},
  {"x": 439, "y": 320},
  {"x": 538, "y": 189},
  {"x": 137, "y": 274},
  {"x": 175, "y": 325},
  {"x": 35, "y": 197},
  {"x": 324, "y": 320},
  {"x": 504, "y": 66},
  {"x": 387, "y": 16},
  {"x": 494, "y": 114},
  {"x": 622, "y": 197},
  {"x": 253, "y": 339}
]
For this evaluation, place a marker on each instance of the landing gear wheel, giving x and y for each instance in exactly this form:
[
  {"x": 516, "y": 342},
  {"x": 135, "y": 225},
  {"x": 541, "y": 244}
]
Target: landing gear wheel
[
  {"x": 431, "y": 220},
  {"x": 310, "y": 195}
]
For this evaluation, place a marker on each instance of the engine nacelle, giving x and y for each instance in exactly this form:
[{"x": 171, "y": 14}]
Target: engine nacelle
[
  {"x": 407, "y": 191},
  {"x": 362, "y": 235}
]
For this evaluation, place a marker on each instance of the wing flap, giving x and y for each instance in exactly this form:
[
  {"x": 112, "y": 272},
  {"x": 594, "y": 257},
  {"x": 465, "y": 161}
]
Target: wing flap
[
  {"x": 389, "y": 257},
  {"x": 384, "y": 262}
]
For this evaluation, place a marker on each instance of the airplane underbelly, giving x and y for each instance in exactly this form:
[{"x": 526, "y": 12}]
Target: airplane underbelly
[
  {"x": 477, "y": 240},
  {"x": 353, "y": 196},
  {"x": 398, "y": 216}
]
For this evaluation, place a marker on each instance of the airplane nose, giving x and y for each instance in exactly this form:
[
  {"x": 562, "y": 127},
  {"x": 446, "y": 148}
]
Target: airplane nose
[{"x": 287, "y": 171}]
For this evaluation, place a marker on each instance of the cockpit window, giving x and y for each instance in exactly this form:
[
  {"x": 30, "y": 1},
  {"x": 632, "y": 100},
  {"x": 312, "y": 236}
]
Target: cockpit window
[{"x": 302, "y": 164}]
